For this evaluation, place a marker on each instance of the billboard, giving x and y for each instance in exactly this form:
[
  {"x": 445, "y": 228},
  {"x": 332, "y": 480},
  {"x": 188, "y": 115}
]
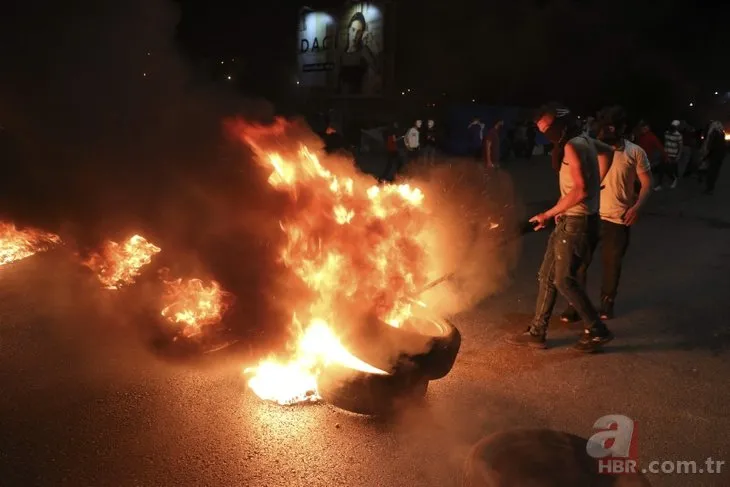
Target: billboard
[{"x": 342, "y": 52}]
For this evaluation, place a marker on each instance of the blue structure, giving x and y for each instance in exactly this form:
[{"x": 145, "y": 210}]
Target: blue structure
[{"x": 458, "y": 117}]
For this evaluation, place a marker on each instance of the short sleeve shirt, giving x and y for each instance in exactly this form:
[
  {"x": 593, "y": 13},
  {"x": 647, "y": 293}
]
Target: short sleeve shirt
[{"x": 619, "y": 192}]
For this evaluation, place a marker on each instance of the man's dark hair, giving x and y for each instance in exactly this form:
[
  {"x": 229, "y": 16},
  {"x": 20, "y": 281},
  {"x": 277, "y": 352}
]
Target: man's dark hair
[{"x": 614, "y": 116}]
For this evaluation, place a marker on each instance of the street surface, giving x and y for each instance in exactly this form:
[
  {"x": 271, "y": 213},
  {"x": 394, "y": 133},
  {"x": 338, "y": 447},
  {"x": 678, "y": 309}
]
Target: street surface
[{"x": 84, "y": 401}]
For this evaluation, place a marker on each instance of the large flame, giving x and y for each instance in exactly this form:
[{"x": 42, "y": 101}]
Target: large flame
[
  {"x": 356, "y": 245},
  {"x": 18, "y": 244},
  {"x": 193, "y": 305},
  {"x": 295, "y": 380},
  {"x": 118, "y": 265}
]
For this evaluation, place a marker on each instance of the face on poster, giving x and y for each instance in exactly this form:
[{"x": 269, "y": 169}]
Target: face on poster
[
  {"x": 342, "y": 51},
  {"x": 359, "y": 65}
]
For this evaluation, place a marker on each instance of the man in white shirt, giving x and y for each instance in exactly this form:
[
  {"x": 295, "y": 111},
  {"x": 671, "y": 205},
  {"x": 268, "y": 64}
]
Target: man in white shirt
[
  {"x": 619, "y": 206},
  {"x": 413, "y": 140}
]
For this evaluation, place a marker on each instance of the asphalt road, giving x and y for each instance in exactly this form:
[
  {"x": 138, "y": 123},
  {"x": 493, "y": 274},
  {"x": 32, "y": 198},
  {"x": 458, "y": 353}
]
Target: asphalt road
[{"x": 84, "y": 401}]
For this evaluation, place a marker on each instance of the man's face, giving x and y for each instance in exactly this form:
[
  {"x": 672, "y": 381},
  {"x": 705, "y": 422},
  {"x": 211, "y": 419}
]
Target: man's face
[
  {"x": 418, "y": 124},
  {"x": 544, "y": 123},
  {"x": 430, "y": 124},
  {"x": 644, "y": 129},
  {"x": 356, "y": 31},
  {"x": 499, "y": 125}
]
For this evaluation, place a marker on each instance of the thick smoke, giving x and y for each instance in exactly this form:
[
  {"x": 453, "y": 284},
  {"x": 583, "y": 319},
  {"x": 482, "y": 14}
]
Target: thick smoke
[
  {"x": 475, "y": 217},
  {"x": 107, "y": 132}
]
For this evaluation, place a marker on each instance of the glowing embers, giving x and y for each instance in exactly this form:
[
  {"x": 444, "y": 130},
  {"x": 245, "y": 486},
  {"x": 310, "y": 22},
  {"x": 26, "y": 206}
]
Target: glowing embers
[
  {"x": 118, "y": 265},
  {"x": 18, "y": 244}
]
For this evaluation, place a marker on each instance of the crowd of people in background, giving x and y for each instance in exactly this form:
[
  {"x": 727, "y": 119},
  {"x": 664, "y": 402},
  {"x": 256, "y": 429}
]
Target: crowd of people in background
[
  {"x": 682, "y": 152},
  {"x": 686, "y": 152}
]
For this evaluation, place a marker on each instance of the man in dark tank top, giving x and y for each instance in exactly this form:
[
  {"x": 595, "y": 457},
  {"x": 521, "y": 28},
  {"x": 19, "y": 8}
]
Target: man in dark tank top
[{"x": 576, "y": 158}]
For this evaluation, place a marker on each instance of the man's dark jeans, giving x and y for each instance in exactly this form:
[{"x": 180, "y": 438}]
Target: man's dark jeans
[
  {"x": 614, "y": 244},
  {"x": 570, "y": 246}
]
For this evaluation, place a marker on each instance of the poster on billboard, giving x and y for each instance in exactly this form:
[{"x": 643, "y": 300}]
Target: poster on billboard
[{"x": 343, "y": 53}]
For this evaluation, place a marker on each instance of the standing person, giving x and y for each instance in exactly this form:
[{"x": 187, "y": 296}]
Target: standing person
[
  {"x": 619, "y": 206},
  {"x": 570, "y": 243},
  {"x": 393, "y": 157},
  {"x": 521, "y": 140},
  {"x": 476, "y": 138},
  {"x": 647, "y": 140},
  {"x": 430, "y": 142},
  {"x": 531, "y": 136},
  {"x": 413, "y": 141},
  {"x": 673, "y": 151},
  {"x": 714, "y": 154},
  {"x": 491, "y": 145}
]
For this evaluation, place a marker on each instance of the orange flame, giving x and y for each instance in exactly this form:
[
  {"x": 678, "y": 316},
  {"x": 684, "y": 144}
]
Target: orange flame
[
  {"x": 295, "y": 380},
  {"x": 356, "y": 245},
  {"x": 118, "y": 265},
  {"x": 19, "y": 244},
  {"x": 194, "y": 305}
]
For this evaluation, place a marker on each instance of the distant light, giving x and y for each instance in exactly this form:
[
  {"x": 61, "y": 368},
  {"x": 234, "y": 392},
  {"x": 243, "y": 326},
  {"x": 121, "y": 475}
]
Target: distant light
[
  {"x": 149, "y": 54},
  {"x": 402, "y": 92},
  {"x": 222, "y": 62},
  {"x": 691, "y": 104},
  {"x": 229, "y": 76},
  {"x": 144, "y": 74},
  {"x": 716, "y": 93},
  {"x": 408, "y": 90},
  {"x": 297, "y": 82},
  {"x": 233, "y": 60},
  {"x": 473, "y": 100}
]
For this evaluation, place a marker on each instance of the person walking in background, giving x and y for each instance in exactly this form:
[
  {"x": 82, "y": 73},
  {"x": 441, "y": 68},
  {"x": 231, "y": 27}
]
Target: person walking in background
[
  {"x": 492, "y": 152},
  {"x": 413, "y": 141},
  {"x": 430, "y": 142},
  {"x": 647, "y": 140},
  {"x": 713, "y": 155},
  {"x": 476, "y": 138},
  {"x": 673, "y": 151},
  {"x": 620, "y": 206},
  {"x": 393, "y": 160}
]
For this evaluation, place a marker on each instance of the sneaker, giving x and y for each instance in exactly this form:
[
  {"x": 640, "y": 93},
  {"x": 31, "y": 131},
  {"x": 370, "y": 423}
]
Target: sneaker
[
  {"x": 570, "y": 315},
  {"x": 529, "y": 339},
  {"x": 674, "y": 183},
  {"x": 657, "y": 188},
  {"x": 606, "y": 312},
  {"x": 592, "y": 340}
]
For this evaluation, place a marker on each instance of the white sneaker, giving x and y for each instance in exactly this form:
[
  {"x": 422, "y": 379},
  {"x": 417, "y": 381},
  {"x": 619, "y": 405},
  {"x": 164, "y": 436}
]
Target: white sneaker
[
  {"x": 674, "y": 183},
  {"x": 657, "y": 188}
]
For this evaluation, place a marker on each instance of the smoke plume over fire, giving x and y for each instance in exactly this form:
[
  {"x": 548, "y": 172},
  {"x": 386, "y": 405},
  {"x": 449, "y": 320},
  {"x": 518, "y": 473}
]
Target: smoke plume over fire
[
  {"x": 18, "y": 244},
  {"x": 118, "y": 265}
]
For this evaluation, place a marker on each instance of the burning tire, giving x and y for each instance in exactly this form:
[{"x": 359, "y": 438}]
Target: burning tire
[
  {"x": 369, "y": 393},
  {"x": 429, "y": 345}
]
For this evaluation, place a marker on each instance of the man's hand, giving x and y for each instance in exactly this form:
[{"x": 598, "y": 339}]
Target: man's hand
[
  {"x": 540, "y": 221},
  {"x": 631, "y": 215}
]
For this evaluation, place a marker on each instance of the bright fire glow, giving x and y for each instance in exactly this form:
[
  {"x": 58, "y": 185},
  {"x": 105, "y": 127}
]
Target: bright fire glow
[
  {"x": 360, "y": 248},
  {"x": 118, "y": 265},
  {"x": 295, "y": 380},
  {"x": 18, "y": 244},
  {"x": 193, "y": 305}
]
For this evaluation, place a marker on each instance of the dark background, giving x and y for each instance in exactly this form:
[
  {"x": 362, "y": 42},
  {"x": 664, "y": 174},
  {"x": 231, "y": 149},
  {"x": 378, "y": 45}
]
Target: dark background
[{"x": 112, "y": 110}]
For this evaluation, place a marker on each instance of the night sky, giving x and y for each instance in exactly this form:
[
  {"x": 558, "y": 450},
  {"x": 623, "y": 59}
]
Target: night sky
[
  {"x": 650, "y": 55},
  {"x": 655, "y": 57}
]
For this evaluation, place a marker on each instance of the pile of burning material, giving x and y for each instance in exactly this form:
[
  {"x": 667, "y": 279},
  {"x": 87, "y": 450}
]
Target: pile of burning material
[
  {"x": 191, "y": 306},
  {"x": 18, "y": 244},
  {"x": 363, "y": 251},
  {"x": 118, "y": 265}
]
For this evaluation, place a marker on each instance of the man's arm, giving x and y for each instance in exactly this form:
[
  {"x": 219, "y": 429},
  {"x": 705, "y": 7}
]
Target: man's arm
[
  {"x": 643, "y": 172},
  {"x": 488, "y": 152},
  {"x": 578, "y": 193},
  {"x": 605, "y": 157}
]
